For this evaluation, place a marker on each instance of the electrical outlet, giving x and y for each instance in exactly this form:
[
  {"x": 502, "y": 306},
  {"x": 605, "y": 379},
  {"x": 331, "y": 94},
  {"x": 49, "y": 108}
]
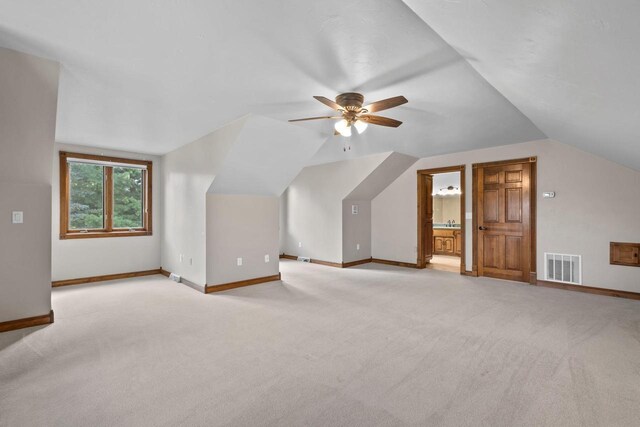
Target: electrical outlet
[
  {"x": 357, "y": 246},
  {"x": 266, "y": 258},
  {"x": 239, "y": 260},
  {"x": 17, "y": 217},
  {"x": 299, "y": 244}
]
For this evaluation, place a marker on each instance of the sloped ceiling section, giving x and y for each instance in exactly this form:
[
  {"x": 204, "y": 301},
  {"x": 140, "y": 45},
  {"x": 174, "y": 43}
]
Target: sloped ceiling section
[
  {"x": 380, "y": 178},
  {"x": 571, "y": 66},
  {"x": 265, "y": 157},
  {"x": 152, "y": 75}
]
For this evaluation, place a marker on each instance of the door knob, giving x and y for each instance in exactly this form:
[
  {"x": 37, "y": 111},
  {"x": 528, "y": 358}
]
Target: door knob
[{"x": 482, "y": 228}]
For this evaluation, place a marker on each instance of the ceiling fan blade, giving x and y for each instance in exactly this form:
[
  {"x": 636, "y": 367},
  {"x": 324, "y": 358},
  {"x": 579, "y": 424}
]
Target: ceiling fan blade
[
  {"x": 315, "y": 118},
  {"x": 329, "y": 103},
  {"x": 379, "y": 120},
  {"x": 385, "y": 104}
]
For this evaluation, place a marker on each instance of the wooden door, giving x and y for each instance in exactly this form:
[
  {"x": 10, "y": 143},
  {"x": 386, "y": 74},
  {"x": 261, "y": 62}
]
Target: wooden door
[
  {"x": 504, "y": 221},
  {"x": 427, "y": 224}
]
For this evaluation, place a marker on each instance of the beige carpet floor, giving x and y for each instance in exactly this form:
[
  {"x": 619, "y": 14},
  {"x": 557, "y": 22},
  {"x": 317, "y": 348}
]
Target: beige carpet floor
[{"x": 373, "y": 345}]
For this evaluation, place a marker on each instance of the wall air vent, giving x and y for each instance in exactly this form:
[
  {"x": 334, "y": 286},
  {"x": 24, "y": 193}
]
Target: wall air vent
[
  {"x": 304, "y": 259},
  {"x": 563, "y": 268}
]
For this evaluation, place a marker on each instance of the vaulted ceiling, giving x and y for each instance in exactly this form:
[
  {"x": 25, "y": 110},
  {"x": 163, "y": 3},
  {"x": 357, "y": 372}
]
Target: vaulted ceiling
[
  {"x": 153, "y": 75},
  {"x": 572, "y": 67}
]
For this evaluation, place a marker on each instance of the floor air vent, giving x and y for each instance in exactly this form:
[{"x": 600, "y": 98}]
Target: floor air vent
[
  {"x": 563, "y": 268},
  {"x": 304, "y": 259}
]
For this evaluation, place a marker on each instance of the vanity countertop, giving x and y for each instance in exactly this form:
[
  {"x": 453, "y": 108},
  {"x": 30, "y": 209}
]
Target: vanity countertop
[{"x": 446, "y": 227}]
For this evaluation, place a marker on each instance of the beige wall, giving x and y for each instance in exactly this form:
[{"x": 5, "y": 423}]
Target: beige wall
[
  {"x": 596, "y": 202},
  {"x": 25, "y": 251},
  {"x": 28, "y": 101},
  {"x": 356, "y": 230},
  {"x": 74, "y": 258},
  {"x": 240, "y": 226}
]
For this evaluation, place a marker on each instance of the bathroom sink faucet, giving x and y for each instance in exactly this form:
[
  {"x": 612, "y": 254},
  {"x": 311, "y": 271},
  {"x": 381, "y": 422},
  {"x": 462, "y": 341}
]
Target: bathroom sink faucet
[{"x": 449, "y": 223}]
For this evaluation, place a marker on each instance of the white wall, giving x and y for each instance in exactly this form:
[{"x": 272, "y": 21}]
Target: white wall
[
  {"x": 187, "y": 174},
  {"x": 241, "y": 226},
  {"x": 313, "y": 206},
  {"x": 200, "y": 217},
  {"x": 28, "y": 102},
  {"x": 75, "y": 258},
  {"x": 597, "y": 201}
]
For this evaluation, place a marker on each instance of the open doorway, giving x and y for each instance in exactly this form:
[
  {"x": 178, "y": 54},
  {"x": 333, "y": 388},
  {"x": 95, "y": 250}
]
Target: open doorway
[{"x": 441, "y": 214}]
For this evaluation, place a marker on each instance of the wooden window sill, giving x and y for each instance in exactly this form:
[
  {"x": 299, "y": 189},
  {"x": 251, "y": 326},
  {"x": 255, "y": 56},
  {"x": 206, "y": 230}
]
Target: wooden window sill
[{"x": 99, "y": 234}]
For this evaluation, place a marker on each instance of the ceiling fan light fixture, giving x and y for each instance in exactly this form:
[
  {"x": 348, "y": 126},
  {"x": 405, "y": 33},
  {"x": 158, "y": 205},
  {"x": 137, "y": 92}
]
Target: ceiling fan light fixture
[
  {"x": 448, "y": 191},
  {"x": 360, "y": 126},
  {"x": 343, "y": 127},
  {"x": 352, "y": 112}
]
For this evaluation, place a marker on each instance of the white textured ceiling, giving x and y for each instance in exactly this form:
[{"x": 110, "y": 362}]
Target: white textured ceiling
[
  {"x": 573, "y": 67},
  {"x": 152, "y": 75}
]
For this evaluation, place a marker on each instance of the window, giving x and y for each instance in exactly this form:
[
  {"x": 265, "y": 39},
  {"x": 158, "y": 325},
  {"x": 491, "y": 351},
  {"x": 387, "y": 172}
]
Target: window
[{"x": 104, "y": 196}]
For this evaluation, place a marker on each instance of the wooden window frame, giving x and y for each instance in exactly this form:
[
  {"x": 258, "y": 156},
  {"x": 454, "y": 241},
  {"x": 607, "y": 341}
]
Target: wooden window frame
[{"x": 108, "y": 230}]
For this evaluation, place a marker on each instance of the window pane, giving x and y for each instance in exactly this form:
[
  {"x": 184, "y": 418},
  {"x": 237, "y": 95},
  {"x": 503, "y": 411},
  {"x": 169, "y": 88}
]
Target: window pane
[
  {"x": 128, "y": 203},
  {"x": 86, "y": 196}
]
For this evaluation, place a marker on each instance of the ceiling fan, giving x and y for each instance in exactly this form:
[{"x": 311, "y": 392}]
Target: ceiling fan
[{"x": 354, "y": 114}]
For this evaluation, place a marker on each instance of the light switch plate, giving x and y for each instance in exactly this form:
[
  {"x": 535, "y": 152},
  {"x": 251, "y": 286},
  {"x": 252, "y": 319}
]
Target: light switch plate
[
  {"x": 17, "y": 217},
  {"x": 469, "y": 215},
  {"x": 357, "y": 246},
  {"x": 266, "y": 258},
  {"x": 354, "y": 209},
  {"x": 239, "y": 262}
]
